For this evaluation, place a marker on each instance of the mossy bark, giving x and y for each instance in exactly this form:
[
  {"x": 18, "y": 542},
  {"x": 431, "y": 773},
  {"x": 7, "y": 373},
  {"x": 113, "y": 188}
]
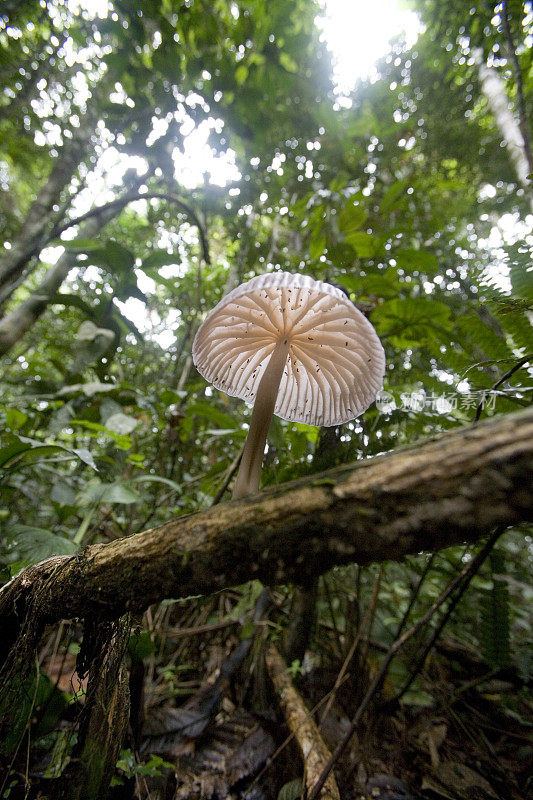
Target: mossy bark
[
  {"x": 456, "y": 487},
  {"x": 104, "y": 718}
]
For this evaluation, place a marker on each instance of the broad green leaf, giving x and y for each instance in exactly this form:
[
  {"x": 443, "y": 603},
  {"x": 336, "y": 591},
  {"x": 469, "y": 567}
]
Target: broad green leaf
[
  {"x": 160, "y": 258},
  {"x": 169, "y": 396},
  {"x": 351, "y": 282},
  {"x": 35, "y": 544},
  {"x": 352, "y": 216},
  {"x": 311, "y": 431},
  {"x": 80, "y": 245},
  {"x": 364, "y": 244},
  {"x": 113, "y": 257},
  {"x": 15, "y": 418},
  {"x": 122, "y": 441},
  {"x": 212, "y": 413},
  {"x": 410, "y": 321},
  {"x": 394, "y": 195},
  {"x": 417, "y": 260},
  {"x": 317, "y": 245},
  {"x": 379, "y": 285},
  {"x": 18, "y": 447},
  {"x": 522, "y": 281},
  {"x": 95, "y": 492},
  {"x": 121, "y": 423}
]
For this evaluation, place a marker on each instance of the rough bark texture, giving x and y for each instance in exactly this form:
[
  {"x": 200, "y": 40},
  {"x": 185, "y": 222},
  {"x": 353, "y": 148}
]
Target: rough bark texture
[
  {"x": 104, "y": 717},
  {"x": 315, "y": 753},
  {"x": 456, "y": 487}
]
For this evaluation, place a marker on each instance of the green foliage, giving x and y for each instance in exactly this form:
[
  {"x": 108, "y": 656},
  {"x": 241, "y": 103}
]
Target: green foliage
[
  {"x": 107, "y": 429},
  {"x": 291, "y": 790},
  {"x": 495, "y": 625},
  {"x": 129, "y": 766},
  {"x": 42, "y": 705}
]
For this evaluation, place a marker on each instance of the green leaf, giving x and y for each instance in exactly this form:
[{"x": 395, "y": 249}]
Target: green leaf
[
  {"x": 317, "y": 245},
  {"x": 495, "y": 626},
  {"x": 18, "y": 447},
  {"x": 288, "y": 63},
  {"x": 96, "y": 492},
  {"x": 157, "y": 479},
  {"x": 522, "y": 281},
  {"x": 113, "y": 257},
  {"x": 121, "y": 423},
  {"x": 364, "y": 244},
  {"x": 351, "y": 282},
  {"x": 80, "y": 245},
  {"x": 212, "y": 413},
  {"x": 169, "y": 396},
  {"x": 141, "y": 645},
  {"x": 412, "y": 260},
  {"x": 352, "y": 216},
  {"x": 160, "y": 258},
  {"x": 122, "y": 441},
  {"x": 35, "y": 544},
  {"x": 15, "y": 418},
  {"x": 394, "y": 195},
  {"x": 34, "y": 692},
  {"x": 311, "y": 431},
  {"x": 410, "y": 321},
  {"x": 241, "y": 73},
  {"x": 291, "y": 790},
  {"x": 379, "y": 285}
]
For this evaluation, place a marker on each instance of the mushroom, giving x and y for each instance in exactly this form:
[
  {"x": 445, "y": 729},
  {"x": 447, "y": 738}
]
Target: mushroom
[{"x": 294, "y": 347}]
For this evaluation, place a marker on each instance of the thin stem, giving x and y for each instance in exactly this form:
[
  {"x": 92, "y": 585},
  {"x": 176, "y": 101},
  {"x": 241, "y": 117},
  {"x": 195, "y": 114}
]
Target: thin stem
[
  {"x": 252, "y": 458},
  {"x": 397, "y": 645}
]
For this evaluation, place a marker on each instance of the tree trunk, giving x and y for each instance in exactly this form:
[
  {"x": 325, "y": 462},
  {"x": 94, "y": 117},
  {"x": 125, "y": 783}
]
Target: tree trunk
[
  {"x": 19, "y": 321},
  {"x": 41, "y": 214},
  {"x": 494, "y": 90}
]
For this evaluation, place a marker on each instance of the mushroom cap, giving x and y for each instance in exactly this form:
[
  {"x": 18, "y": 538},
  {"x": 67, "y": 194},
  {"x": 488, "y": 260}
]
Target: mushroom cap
[{"x": 336, "y": 362}]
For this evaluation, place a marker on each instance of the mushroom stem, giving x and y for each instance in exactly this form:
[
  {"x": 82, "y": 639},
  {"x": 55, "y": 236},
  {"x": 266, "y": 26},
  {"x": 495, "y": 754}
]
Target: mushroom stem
[{"x": 252, "y": 458}]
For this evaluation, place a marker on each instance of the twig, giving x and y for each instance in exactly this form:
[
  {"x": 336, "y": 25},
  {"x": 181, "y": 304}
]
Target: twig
[
  {"x": 340, "y": 677},
  {"x": 126, "y": 200},
  {"x": 331, "y": 611},
  {"x": 230, "y": 472},
  {"x": 415, "y": 593},
  {"x": 394, "y": 648},
  {"x": 438, "y": 630},
  {"x": 507, "y": 375},
  {"x": 373, "y": 606}
]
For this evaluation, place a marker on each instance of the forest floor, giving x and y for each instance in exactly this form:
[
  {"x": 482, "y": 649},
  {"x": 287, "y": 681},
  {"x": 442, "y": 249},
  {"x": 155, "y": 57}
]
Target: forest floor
[{"x": 206, "y": 723}]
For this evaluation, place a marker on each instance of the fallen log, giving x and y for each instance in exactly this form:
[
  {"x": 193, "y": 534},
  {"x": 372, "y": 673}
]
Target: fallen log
[{"x": 455, "y": 487}]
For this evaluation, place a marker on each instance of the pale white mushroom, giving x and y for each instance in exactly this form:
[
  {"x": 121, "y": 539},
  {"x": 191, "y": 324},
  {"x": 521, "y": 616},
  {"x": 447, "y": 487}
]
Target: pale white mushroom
[{"x": 294, "y": 347}]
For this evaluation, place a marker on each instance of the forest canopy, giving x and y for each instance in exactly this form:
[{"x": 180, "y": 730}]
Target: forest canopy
[{"x": 153, "y": 156}]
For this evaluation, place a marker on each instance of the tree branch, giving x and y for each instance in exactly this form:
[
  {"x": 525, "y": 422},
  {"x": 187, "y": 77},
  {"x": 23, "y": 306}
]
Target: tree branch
[
  {"x": 456, "y": 487},
  {"x": 121, "y": 202}
]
